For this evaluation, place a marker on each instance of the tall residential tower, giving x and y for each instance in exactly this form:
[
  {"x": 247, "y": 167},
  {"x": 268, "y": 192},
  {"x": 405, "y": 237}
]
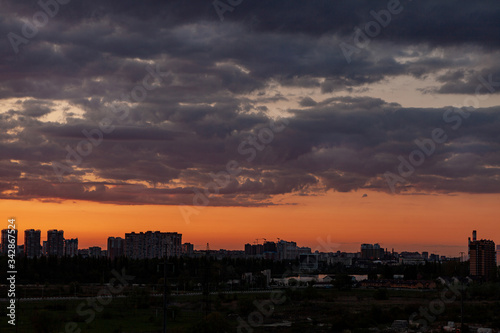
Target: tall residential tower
[
  {"x": 482, "y": 257},
  {"x": 32, "y": 247}
]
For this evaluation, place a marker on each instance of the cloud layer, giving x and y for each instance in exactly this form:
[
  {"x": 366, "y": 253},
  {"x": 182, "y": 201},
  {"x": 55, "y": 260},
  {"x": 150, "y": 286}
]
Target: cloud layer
[{"x": 99, "y": 62}]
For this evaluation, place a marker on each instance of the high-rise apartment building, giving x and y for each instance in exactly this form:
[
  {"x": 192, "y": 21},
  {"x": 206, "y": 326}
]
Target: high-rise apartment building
[
  {"x": 482, "y": 257},
  {"x": 150, "y": 245},
  {"x": 287, "y": 250},
  {"x": 270, "y": 250},
  {"x": 95, "y": 252},
  {"x": 32, "y": 247},
  {"x": 6, "y": 242},
  {"x": 187, "y": 248},
  {"x": 174, "y": 244},
  {"x": 371, "y": 251},
  {"x": 270, "y": 247},
  {"x": 116, "y": 247},
  {"x": 71, "y": 247},
  {"x": 254, "y": 249},
  {"x": 55, "y": 243}
]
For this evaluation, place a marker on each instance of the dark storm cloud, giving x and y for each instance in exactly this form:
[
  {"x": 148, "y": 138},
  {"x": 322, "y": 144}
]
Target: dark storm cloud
[
  {"x": 445, "y": 22},
  {"x": 219, "y": 95},
  {"x": 36, "y": 109},
  {"x": 482, "y": 82},
  {"x": 343, "y": 144}
]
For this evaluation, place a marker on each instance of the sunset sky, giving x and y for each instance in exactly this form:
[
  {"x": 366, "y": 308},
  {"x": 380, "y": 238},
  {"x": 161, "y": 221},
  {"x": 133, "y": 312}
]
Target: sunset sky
[{"x": 115, "y": 116}]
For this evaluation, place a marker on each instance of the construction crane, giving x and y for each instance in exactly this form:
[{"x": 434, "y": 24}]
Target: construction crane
[{"x": 257, "y": 240}]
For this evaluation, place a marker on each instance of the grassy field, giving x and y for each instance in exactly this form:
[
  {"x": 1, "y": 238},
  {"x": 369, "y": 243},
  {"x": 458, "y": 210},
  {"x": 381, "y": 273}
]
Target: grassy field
[{"x": 307, "y": 310}]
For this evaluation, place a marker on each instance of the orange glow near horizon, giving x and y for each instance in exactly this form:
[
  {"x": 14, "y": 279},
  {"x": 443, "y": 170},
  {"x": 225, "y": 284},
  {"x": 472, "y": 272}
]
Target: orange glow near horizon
[{"x": 435, "y": 223}]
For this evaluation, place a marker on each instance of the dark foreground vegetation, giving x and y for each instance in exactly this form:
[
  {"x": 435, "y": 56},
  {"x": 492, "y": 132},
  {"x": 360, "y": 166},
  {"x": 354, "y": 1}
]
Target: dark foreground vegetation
[
  {"x": 200, "y": 299},
  {"x": 304, "y": 310}
]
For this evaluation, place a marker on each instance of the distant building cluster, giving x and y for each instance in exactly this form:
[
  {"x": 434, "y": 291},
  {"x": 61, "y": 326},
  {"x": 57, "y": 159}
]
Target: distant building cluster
[
  {"x": 144, "y": 245},
  {"x": 55, "y": 245},
  {"x": 368, "y": 255},
  {"x": 371, "y": 254},
  {"x": 155, "y": 244},
  {"x": 281, "y": 250},
  {"x": 481, "y": 253}
]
